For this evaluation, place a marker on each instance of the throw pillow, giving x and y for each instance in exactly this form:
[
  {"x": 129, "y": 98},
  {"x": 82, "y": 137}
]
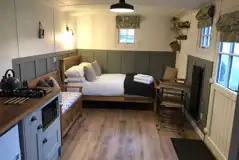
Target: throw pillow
[
  {"x": 52, "y": 82},
  {"x": 170, "y": 74},
  {"x": 73, "y": 72},
  {"x": 41, "y": 83},
  {"x": 89, "y": 73},
  {"x": 81, "y": 68},
  {"x": 96, "y": 68}
]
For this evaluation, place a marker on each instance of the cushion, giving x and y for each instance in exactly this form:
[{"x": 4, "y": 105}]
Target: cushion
[
  {"x": 73, "y": 72},
  {"x": 170, "y": 74},
  {"x": 68, "y": 99},
  {"x": 41, "y": 83},
  {"x": 52, "y": 82},
  {"x": 89, "y": 73},
  {"x": 96, "y": 68},
  {"x": 81, "y": 68},
  {"x": 75, "y": 79}
]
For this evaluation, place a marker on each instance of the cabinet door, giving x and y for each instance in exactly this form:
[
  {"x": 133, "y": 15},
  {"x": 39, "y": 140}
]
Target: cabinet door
[
  {"x": 50, "y": 141},
  {"x": 31, "y": 134},
  {"x": 9, "y": 145}
]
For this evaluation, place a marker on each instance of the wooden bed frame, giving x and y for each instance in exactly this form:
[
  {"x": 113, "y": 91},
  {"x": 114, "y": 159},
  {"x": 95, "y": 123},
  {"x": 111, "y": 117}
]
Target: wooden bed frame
[{"x": 76, "y": 60}]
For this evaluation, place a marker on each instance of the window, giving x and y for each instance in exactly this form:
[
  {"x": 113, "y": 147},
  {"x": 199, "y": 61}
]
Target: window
[
  {"x": 228, "y": 65},
  {"x": 205, "y": 37},
  {"x": 127, "y": 36}
]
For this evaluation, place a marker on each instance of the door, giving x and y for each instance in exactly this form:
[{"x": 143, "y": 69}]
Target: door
[
  {"x": 31, "y": 134},
  {"x": 221, "y": 112},
  {"x": 9, "y": 145},
  {"x": 50, "y": 141},
  {"x": 234, "y": 146}
]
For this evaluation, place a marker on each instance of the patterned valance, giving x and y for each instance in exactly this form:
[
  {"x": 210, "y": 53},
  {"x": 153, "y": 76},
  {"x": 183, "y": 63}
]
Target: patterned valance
[
  {"x": 205, "y": 16},
  {"x": 228, "y": 26},
  {"x": 129, "y": 22}
]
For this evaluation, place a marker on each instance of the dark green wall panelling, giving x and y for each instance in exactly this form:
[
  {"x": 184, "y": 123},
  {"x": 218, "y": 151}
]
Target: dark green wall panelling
[
  {"x": 114, "y": 60},
  {"x": 208, "y": 66},
  {"x": 31, "y": 67},
  {"x": 147, "y": 62}
]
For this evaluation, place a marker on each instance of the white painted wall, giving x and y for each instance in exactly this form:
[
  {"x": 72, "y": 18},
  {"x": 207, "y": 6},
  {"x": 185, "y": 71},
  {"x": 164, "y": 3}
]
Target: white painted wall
[
  {"x": 8, "y": 40},
  {"x": 99, "y": 32},
  {"x": 19, "y": 30},
  {"x": 222, "y": 100},
  {"x": 64, "y": 41},
  {"x": 191, "y": 46}
]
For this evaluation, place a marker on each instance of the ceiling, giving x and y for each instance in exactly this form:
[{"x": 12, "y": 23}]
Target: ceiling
[{"x": 169, "y": 7}]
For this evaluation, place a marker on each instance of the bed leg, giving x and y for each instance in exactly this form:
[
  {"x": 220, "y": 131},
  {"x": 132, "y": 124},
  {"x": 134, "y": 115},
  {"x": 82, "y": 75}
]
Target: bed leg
[{"x": 155, "y": 105}]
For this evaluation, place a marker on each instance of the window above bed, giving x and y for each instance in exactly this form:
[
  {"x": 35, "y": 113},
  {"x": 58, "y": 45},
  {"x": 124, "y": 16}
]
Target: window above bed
[{"x": 126, "y": 36}]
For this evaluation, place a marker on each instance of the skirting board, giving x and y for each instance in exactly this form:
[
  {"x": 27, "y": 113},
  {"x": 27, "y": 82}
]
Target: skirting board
[
  {"x": 211, "y": 145},
  {"x": 194, "y": 125}
]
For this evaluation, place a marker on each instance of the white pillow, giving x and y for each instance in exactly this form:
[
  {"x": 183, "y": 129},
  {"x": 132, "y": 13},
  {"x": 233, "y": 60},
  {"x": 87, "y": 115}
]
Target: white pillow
[
  {"x": 77, "y": 71},
  {"x": 75, "y": 80},
  {"x": 73, "y": 72}
]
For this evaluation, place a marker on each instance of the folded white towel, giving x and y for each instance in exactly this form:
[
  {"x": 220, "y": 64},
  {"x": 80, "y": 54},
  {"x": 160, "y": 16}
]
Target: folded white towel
[
  {"x": 143, "y": 81},
  {"x": 143, "y": 75},
  {"x": 144, "y": 78}
]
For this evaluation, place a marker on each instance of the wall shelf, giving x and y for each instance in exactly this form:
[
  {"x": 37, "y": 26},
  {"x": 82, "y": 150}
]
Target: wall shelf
[{"x": 177, "y": 27}]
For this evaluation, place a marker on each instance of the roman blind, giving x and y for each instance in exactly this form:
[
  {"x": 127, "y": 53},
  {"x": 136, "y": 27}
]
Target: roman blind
[
  {"x": 228, "y": 26},
  {"x": 205, "y": 16},
  {"x": 128, "y": 22}
]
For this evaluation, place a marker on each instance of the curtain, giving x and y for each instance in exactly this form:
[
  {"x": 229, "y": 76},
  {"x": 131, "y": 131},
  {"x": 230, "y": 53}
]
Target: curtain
[
  {"x": 205, "y": 16},
  {"x": 129, "y": 22},
  {"x": 228, "y": 26}
]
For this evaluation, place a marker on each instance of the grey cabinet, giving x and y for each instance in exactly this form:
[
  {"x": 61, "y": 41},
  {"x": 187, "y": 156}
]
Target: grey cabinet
[
  {"x": 50, "y": 141},
  {"x": 30, "y": 135},
  {"x": 41, "y": 143},
  {"x": 10, "y": 145}
]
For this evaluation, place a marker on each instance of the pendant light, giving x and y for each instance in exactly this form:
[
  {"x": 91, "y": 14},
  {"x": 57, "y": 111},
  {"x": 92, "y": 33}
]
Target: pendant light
[{"x": 122, "y": 7}]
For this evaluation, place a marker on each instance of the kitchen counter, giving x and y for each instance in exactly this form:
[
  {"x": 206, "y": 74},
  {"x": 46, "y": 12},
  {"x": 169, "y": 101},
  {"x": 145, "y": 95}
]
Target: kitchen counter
[{"x": 10, "y": 115}]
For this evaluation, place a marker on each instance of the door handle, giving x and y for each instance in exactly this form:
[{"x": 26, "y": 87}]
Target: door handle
[
  {"x": 39, "y": 127},
  {"x": 44, "y": 141},
  {"x": 33, "y": 119}
]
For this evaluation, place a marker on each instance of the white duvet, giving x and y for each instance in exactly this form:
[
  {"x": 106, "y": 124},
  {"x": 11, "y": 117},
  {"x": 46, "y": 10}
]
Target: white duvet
[{"x": 105, "y": 85}]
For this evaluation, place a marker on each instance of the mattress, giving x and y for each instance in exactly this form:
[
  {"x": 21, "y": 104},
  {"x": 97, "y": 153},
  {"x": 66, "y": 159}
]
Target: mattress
[{"x": 105, "y": 85}]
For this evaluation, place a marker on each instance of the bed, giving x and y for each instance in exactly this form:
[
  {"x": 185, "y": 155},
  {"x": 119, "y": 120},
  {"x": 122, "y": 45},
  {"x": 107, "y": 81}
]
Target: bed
[{"x": 107, "y": 87}]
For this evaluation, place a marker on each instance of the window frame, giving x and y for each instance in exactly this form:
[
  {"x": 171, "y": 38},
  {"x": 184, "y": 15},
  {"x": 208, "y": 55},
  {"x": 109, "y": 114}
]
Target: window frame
[
  {"x": 202, "y": 36},
  {"x": 127, "y": 36},
  {"x": 230, "y": 55}
]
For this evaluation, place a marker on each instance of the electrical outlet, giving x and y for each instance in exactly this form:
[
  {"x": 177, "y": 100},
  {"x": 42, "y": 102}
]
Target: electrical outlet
[{"x": 54, "y": 59}]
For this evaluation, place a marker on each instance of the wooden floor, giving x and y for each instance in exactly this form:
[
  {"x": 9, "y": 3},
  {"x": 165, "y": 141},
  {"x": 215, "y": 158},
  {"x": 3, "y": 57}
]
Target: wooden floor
[{"x": 120, "y": 135}]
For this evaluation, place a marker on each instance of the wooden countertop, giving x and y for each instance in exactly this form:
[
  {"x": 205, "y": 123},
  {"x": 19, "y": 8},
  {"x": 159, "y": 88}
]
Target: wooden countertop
[{"x": 10, "y": 115}]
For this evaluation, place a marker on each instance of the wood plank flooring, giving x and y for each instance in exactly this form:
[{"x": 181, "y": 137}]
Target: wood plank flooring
[{"x": 120, "y": 135}]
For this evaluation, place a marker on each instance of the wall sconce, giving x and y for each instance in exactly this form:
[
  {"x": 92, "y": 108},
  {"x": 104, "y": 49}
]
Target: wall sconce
[
  {"x": 69, "y": 30},
  {"x": 41, "y": 31}
]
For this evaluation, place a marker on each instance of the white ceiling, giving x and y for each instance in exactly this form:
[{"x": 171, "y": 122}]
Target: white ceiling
[{"x": 169, "y": 7}]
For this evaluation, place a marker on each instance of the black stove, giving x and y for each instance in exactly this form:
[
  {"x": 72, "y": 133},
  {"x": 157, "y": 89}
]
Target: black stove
[
  {"x": 21, "y": 95},
  {"x": 26, "y": 92}
]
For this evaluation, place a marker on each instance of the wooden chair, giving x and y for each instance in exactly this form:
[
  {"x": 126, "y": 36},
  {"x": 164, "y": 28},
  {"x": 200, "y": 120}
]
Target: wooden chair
[
  {"x": 172, "y": 99},
  {"x": 69, "y": 117}
]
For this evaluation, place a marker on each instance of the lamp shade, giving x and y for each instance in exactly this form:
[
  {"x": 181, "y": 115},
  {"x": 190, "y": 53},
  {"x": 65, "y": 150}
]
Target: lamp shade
[{"x": 122, "y": 7}]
